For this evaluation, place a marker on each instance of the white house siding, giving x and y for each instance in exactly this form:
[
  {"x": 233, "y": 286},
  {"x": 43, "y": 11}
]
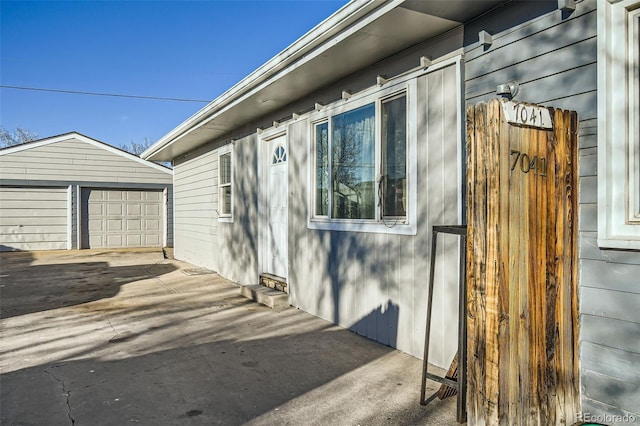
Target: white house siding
[
  {"x": 238, "y": 240},
  {"x": 229, "y": 248},
  {"x": 554, "y": 60},
  {"x": 33, "y": 218},
  {"x": 196, "y": 202},
  {"x": 75, "y": 163},
  {"x": 376, "y": 284}
]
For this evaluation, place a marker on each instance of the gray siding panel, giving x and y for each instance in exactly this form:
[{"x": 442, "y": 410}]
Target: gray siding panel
[
  {"x": 375, "y": 284},
  {"x": 613, "y": 304},
  {"x": 229, "y": 248},
  {"x": 237, "y": 242},
  {"x": 611, "y": 276},
  {"x": 554, "y": 60},
  {"x": 595, "y": 411},
  {"x": 33, "y": 218},
  {"x": 623, "y": 395},
  {"x": 73, "y": 160},
  {"x": 600, "y": 330},
  {"x": 195, "y": 220}
]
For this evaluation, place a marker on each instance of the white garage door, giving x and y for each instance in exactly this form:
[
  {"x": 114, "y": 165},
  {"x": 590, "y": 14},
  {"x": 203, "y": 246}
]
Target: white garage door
[
  {"x": 123, "y": 218},
  {"x": 33, "y": 219}
]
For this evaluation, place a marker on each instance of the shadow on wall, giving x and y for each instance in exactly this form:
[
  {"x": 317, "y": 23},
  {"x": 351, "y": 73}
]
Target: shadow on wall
[
  {"x": 4, "y": 249},
  {"x": 238, "y": 254},
  {"x": 30, "y": 288},
  {"x": 385, "y": 317}
]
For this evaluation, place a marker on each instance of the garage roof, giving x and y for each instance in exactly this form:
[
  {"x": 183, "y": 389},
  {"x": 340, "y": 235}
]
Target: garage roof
[
  {"x": 357, "y": 35},
  {"x": 86, "y": 139}
]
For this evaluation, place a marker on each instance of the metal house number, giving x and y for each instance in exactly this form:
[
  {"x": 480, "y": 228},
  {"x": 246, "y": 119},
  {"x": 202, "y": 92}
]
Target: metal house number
[{"x": 526, "y": 163}]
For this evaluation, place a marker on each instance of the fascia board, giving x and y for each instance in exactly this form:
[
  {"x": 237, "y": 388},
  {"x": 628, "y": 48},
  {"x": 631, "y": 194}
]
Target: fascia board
[{"x": 340, "y": 22}]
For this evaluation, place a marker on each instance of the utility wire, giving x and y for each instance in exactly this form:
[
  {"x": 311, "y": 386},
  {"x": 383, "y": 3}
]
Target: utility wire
[{"x": 116, "y": 95}]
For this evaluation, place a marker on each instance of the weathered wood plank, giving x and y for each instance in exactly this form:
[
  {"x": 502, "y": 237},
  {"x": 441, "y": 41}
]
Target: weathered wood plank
[
  {"x": 521, "y": 255},
  {"x": 491, "y": 253}
]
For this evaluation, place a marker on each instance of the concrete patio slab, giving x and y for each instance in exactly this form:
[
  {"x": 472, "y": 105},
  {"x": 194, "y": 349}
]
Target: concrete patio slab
[{"x": 114, "y": 338}]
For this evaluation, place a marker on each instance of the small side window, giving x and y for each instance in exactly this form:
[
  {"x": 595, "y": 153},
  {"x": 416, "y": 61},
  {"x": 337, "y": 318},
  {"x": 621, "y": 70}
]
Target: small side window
[{"x": 225, "y": 184}]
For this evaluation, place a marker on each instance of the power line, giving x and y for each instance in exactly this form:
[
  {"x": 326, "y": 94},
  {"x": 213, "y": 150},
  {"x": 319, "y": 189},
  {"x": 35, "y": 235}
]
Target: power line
[{"x": 116, "y": 95}]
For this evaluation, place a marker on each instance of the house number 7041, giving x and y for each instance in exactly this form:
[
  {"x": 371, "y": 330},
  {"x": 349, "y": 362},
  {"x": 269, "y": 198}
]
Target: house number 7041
[
  {"x": 527, "y": 115},
  {"x": 528, "y": 164}
]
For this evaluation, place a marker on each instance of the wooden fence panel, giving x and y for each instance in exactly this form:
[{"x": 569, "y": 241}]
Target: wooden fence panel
[{"x": 521, "y": 264}]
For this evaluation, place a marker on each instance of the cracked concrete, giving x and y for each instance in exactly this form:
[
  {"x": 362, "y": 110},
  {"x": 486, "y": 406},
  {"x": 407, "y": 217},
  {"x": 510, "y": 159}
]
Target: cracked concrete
[
  {"x": 65, "y": 393},
  {"x": 113, "y": 338}
]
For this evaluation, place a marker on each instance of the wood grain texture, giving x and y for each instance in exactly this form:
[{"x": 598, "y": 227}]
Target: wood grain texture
[{"x": 521, "y": 269}]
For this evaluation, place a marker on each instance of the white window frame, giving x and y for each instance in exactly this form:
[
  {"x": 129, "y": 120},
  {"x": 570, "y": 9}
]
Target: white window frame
[
  {"x": 225, "y": 217},
  {"x": 377, "y": 95},
  {"x": 634, "y": 113},
  {"x": 618, "y": 110}
]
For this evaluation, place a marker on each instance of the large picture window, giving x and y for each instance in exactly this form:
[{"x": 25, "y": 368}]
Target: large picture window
[
  {"x": 360, "y": 158},
  {"x": 394, "y": 157},
  {"x": 618, "y": 124},
  {"x": 634, "y": 113},
  {"x": 322, "y": 169},
  {"x": 353, "y": 164}
]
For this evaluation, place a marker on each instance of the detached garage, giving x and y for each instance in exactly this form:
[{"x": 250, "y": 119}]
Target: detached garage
[{"x": 74, "y": 192}]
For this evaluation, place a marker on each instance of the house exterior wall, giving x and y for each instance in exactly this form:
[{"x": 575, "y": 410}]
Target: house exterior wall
[
  {"x": 195, "y": 204},
  {"x": 376, "y": 283},
  {"x": 553, "y": 58},
  {"x": 75, "y": 164},
  {"x": 228, "y": 247}
]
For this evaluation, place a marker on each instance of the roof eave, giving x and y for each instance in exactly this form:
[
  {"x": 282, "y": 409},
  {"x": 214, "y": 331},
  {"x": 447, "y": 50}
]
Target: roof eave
[
  {"x": 376, "y": 29},
  {"x": 328, "y": 28}
]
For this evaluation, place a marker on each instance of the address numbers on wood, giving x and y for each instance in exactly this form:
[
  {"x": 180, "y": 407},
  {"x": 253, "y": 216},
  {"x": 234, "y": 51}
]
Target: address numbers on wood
[
  {"x": 526, "y": 163},
  {"x": 527, "y": 115}
]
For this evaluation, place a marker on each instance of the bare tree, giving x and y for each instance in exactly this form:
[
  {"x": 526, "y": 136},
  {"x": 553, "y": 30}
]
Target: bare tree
[
  {"x": 137, "y": 148},
  {"x": 16, "y": 137}
]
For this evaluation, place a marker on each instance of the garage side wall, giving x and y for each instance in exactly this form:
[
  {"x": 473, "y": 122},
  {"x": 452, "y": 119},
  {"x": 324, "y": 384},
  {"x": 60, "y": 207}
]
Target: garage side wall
[{"x": 553, "y": 59}]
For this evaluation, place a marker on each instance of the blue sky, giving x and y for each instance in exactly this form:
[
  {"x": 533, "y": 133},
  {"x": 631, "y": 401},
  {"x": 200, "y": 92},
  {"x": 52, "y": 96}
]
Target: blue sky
[{"x": 175, "y": 49}]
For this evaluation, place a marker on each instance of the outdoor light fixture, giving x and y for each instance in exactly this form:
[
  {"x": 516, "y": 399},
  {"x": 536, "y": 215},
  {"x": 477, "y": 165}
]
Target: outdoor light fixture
[
  {"x": 567, "y": 5},
  {"x": 319, "y": 107},
  {"x": 485, "y": 38},
  {"x": 508, "y": 90},
  {"x": 381, "y": 81},
  {"x": 346, "y": 94},
  {"x": 425, "y": 62}
]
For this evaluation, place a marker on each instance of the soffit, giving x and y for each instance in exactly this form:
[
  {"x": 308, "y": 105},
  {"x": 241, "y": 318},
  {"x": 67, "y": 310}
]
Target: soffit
[{"x": 395, "y": 30}]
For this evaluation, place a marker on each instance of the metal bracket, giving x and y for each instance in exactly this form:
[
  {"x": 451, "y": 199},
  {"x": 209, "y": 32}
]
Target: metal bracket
[{"x": 460, "y": 384}]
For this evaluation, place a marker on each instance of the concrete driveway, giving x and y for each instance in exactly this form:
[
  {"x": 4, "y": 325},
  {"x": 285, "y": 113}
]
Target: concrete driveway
[{"x": 118, "y": 338}]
